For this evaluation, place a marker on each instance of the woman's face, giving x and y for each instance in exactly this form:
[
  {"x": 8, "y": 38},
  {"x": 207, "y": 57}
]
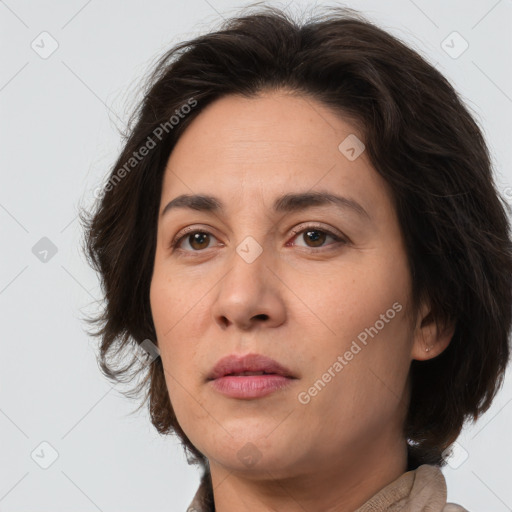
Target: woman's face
[{"x": 319, "y": 287}]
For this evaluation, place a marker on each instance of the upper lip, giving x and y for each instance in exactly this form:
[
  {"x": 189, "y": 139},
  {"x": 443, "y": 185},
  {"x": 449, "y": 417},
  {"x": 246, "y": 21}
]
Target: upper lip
[{"x": 234, "y": 364}]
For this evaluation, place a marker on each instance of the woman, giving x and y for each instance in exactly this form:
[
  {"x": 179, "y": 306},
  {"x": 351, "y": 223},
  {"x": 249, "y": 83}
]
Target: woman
[{"x": 304, "y": 226}]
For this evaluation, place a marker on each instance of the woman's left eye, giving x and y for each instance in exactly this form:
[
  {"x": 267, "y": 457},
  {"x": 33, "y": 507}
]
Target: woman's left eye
[
  {"x": 317, "y": 236},
  {"x": 312, "y": 234}
]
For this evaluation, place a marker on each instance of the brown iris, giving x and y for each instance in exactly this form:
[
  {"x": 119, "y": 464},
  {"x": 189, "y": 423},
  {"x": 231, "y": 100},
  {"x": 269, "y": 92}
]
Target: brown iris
[
  {"x": 316, "y": 236},
  {"x": 200, "y": 239}
]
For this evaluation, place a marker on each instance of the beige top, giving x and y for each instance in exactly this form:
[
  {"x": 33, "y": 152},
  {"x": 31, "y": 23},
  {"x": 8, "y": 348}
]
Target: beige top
[{"x": 420, "y": 490}]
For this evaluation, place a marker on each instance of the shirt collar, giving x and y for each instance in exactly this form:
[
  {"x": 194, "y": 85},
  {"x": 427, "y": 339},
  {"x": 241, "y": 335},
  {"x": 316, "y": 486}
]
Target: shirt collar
[{"x": 422, "y": 490}]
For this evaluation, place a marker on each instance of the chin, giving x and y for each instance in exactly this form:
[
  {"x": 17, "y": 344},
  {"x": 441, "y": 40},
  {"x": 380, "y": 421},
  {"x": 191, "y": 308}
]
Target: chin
[{"x": 255, "y": 453}]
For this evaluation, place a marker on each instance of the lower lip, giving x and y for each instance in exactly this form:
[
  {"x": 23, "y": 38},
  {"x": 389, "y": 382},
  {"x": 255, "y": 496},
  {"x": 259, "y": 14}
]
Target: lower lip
[{"x": 250, "y": 386}]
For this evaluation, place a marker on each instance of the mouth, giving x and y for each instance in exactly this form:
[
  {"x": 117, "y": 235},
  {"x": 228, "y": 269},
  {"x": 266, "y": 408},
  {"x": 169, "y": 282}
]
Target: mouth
[
  {"x": 248, "y": 365},
  {"x": 249, "y": 377},
  {"x": 244, "y": 374}
]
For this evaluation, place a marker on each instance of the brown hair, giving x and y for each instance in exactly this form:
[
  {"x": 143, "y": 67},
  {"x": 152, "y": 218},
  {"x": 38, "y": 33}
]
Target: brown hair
[{"x": 419, "y": 137}]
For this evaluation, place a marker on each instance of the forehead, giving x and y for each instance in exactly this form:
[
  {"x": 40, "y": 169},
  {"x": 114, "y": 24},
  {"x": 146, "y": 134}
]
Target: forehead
[{"x": 266, "y": 145}]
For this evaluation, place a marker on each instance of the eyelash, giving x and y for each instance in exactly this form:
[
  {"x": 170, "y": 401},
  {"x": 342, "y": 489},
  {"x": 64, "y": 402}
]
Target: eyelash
[{"x": 189, "y": 231}]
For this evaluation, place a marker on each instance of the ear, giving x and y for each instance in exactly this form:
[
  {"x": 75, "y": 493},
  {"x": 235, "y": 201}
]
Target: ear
[{"x": 430, "y": 338}]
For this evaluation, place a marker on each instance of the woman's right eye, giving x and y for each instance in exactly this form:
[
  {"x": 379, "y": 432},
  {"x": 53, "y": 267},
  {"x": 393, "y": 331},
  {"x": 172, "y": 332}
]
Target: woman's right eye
[{"x": 197, "y": 240}]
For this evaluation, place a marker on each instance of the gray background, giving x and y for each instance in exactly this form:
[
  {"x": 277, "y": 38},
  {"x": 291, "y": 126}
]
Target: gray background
[{"x": 60, "y": 117}]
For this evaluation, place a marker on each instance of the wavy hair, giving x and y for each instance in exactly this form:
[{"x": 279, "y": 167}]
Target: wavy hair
[{"x": 419, "y": 136}]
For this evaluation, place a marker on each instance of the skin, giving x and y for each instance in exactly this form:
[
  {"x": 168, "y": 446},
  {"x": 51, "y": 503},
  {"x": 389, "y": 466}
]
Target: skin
[{"x": 303, "y": 309}]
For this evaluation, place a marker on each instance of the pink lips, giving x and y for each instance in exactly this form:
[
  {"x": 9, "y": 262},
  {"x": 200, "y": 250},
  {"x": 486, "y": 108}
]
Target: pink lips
[{"x": 250, "y": 376}]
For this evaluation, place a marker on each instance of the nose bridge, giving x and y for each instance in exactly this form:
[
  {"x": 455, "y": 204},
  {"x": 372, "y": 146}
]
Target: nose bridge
[
  {"x": 252, "y": 229},
  {"x": 249, "y": 291},
  {"x": 249, "y": 267}
]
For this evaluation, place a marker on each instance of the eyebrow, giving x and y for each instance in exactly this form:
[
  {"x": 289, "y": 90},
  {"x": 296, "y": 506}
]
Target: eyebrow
[{"x": 286, "y": 203}]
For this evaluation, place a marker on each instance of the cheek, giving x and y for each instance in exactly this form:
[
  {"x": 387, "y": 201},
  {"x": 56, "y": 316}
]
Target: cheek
[
  {"x": 173, "y": 315},
  {"x": 168, "y": 311},
  {"x": 171, "y": 302},
  {"x": 364, "y": 312},
  {"x": 350, "y": 298},
  {"x": 367, "y": 390}
]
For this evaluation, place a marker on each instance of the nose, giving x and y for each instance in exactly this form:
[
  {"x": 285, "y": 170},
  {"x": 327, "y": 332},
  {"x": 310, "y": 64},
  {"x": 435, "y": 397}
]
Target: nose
[{"x": 250, "y": 295}]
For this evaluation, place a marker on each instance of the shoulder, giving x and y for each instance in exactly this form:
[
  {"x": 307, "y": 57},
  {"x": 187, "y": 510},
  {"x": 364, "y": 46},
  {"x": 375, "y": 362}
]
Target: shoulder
[
  {"x": 452, "y": 507},
  {"x": 434, "y": 477}
]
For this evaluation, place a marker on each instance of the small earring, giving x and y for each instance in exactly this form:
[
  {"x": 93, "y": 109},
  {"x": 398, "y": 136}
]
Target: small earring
[{"x": 427, "y": 349}]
